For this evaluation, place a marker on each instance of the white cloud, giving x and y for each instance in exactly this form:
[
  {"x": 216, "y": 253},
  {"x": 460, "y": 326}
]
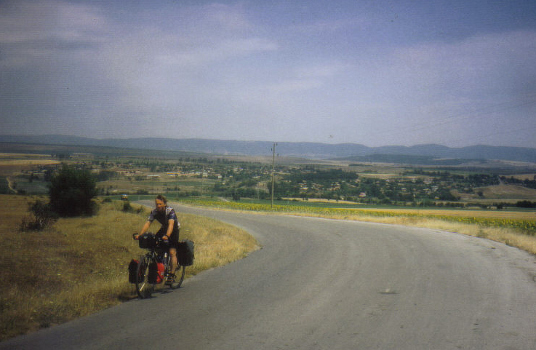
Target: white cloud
[
  {"x": 300, "y": 79},
  {"x": 35, "y": 30},
  {"x": 228, "y": 48},
  {"x": 324, "y": 71},
  {"x": 332, "y": 25},
  {"x": 293, "y": 85},
  {"x": 230, "y": 17}
]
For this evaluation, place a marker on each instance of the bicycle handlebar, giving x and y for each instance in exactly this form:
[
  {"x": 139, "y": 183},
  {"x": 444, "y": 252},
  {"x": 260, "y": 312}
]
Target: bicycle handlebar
[
  {"x": 158, "y": 241},
  {"x": 146, "y": 234}
]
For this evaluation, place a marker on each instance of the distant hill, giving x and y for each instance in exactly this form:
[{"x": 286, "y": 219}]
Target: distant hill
[{"x": 348, "y": 151}]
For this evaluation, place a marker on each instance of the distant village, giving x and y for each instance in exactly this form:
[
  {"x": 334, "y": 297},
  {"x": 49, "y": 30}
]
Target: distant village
[{"x": 220, "y": 177}]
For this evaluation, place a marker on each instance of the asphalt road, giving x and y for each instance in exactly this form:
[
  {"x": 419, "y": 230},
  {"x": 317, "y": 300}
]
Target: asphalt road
[{"x": 326, "y": 284}]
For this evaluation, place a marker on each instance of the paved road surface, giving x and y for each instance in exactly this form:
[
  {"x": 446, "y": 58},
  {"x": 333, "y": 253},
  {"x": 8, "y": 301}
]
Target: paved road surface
[{"x": 325, "y": 284}]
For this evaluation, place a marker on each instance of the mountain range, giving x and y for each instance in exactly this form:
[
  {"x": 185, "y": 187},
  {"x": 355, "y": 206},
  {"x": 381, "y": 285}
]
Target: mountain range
[{"x": 349, "y": 151}]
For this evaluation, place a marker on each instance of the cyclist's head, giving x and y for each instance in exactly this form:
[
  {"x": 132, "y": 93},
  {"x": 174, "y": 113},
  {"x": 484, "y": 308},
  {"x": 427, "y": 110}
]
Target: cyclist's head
[
  {"x": 160, "y": 203},
  {"x": 162, "y": 198}
]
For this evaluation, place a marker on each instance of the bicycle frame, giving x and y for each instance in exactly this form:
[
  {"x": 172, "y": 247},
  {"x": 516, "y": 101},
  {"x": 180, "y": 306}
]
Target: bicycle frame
[{"x": 158, "y": 252}]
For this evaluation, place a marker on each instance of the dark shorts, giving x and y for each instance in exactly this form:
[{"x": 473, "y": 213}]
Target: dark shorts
[{"x": 173, "y": 239}]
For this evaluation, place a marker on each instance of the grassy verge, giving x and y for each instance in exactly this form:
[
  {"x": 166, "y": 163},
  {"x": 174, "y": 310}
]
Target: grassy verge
[
  {"x": 79, "y": 265},
  {"x": 512, "y": 229}
]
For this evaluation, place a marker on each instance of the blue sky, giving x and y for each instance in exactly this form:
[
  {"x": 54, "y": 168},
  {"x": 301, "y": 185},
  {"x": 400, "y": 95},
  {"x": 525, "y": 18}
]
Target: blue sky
[{"x": 456, "y": 73}]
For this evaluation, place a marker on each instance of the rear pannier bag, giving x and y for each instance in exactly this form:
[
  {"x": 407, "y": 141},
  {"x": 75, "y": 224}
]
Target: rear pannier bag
[{"x": 185, "y": 253}]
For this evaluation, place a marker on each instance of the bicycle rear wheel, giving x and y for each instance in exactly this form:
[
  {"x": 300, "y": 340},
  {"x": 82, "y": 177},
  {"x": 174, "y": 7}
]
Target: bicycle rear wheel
[
  {"x": 179, "y": 273},
  {"x": 179, "y": 277},
  {"x": 143, "y": 287}
]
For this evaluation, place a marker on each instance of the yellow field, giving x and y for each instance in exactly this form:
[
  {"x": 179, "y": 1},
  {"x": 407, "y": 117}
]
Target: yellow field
[
  {"x": 497, "y": 214},
  {"x": 22, "y": 155},
  {"x": 12, "y": 163},
  {"x": 519, "y": 232},
  {"x": 27, "y": 162},
  {"x": 318, "y": 200},
  {"x": 21, "y": 159}
]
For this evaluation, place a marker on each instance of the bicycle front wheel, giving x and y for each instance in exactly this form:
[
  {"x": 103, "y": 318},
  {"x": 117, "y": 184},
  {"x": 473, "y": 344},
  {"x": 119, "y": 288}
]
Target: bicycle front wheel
[{"x": 143, "y": 287}]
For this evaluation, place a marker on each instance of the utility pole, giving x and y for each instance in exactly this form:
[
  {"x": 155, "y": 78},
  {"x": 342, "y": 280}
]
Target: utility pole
[{"x": 273, "y": 173}]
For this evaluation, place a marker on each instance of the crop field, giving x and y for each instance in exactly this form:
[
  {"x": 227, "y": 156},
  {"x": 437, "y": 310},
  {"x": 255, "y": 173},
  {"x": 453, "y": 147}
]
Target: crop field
[
  {"x": 495, "y": 214},
  {"x": 11, "y": 161},
  {"x": 322, "y": 204},
  {"x": 26, "y": 163},
  {"x": 164, "y": 184},
  {"x": 521, "y": 222},
  {"x": 509, "y": 191}
]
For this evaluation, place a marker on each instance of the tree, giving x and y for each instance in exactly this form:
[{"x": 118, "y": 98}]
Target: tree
[{"x": 72, "y": 191}]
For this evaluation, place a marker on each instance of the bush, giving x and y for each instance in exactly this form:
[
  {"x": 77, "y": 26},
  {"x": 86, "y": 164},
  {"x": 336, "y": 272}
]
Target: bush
[
  {"x": 72, "y": 191},
  {"x": 127, "y": 207},
  {"x": 42, "y": 217}
]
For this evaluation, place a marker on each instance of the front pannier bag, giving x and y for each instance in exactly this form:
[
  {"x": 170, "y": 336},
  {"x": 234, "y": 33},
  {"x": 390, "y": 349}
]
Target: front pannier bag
[
  {"x": 132, "y": 270},
  {"x": 147, "y": 241},
  {"x": 185, "y": 253},
  {"x": 156, "y": 273}
]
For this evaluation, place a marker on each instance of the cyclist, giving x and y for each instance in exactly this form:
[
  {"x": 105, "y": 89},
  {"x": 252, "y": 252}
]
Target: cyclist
[{"x": 168, "y": 232}]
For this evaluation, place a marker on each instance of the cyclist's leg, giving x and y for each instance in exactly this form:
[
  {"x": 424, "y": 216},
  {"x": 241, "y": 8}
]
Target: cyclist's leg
[
  {"x": 179, "y": 269},
  {"x": 173, "y": 262},
  {"x": 172, "y": 266},
  {"x": 173, "y": 244}
]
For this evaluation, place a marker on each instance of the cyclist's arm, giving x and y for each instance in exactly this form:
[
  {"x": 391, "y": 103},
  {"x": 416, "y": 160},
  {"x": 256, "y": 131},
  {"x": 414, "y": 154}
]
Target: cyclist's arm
[
  {"x": 171, "y": 224},
  {"x": 143, "y": 229}
]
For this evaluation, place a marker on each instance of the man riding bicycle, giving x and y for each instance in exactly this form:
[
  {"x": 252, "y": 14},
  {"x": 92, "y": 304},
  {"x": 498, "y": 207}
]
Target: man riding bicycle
[{"x": 168, "y": 232}]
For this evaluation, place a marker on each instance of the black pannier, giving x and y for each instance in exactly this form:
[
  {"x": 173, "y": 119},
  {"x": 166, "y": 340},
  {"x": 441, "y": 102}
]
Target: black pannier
[
  {"x": 132, "y": 270},
  {"x": 185, "y": 253},
  {"x": 147, "y": 241}
]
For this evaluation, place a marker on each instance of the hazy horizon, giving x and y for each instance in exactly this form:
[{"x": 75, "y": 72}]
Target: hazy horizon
[
  {"x": 453, "y": 73},
  {"x": 251, "y": 141}
]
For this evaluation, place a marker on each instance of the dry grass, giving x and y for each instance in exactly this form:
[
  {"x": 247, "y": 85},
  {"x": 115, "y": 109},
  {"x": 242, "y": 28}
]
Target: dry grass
[
  {"x": 232, "y": 244},
  {"x": 79, "y": 265}
]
